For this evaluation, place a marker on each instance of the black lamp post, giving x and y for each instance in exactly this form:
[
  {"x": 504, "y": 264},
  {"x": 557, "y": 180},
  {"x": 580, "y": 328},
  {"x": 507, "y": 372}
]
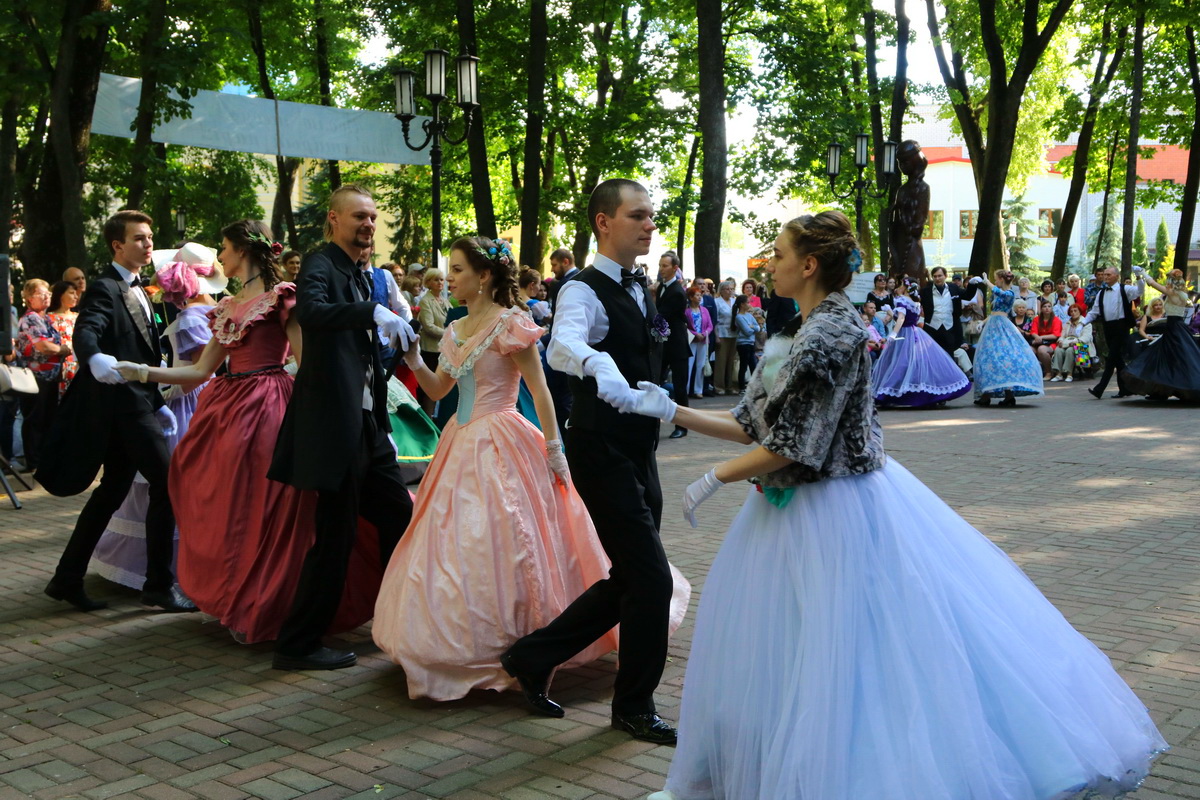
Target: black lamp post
[
  {"x": 436, "y": 127},
  {"x": 833, "y": 166},
  {"x": 181, "y": 222}
]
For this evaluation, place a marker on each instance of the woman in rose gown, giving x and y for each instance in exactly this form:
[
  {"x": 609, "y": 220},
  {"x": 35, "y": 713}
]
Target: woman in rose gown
[
  {"x": 187, "y": 278},
  {"x": 499, "y": 542},
  {"x": 242, "y": 537}
]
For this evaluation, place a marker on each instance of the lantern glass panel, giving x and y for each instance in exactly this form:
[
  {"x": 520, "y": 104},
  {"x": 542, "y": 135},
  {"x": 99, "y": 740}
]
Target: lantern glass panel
[
  {"x": 468, "y": 80},
  {"x": 861, "y": 142},
  {"x": 889, "y": 158},
  {"x": 833, "y": 161},
  {"x": 404, "y": 93},
  {"x": 435, "y": 74}
]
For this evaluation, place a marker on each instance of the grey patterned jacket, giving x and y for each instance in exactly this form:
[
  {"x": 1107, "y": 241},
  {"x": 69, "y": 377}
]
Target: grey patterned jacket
[{"x": 811, "y": 401}]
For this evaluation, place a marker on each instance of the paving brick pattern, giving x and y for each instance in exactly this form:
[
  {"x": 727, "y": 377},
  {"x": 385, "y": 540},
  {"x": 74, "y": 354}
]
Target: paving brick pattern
[{"x": 1096, "y": 500}]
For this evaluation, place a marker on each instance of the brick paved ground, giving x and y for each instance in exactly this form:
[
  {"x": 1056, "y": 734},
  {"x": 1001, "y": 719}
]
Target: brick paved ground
[{"x": 128, "y": 704}]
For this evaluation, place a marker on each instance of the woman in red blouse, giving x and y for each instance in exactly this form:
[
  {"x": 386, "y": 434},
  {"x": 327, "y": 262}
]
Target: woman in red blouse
[
  {"x": 63, "y": 299},
  {"x": 1045, "y": 330}
]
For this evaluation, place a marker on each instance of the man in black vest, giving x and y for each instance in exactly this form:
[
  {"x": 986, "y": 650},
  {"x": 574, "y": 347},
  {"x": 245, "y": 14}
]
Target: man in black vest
[
  {"x": 602, "y": 340},
  {"x": 941, "y": 303},
  {"x": 1114, "y": 308},
  {"x": 334, "y": 435},
  {"x": 671, "y": 301},
  {"x": 107, "y": 422}
]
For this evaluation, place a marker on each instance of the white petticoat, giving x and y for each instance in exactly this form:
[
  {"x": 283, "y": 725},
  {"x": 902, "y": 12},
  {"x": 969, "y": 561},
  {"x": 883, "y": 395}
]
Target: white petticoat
[{"x": 866, "y": 643}]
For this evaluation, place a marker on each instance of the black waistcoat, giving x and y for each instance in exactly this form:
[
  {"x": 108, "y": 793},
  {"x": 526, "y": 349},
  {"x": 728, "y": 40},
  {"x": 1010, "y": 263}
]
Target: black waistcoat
[
  {"x": 637, "y": 355},
  {"x": 1127, "y": 318}
]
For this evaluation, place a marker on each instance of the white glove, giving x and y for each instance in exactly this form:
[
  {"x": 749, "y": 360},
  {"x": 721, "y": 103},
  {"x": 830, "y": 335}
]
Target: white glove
[
  {"x": 611, "y": 386},
  {"x": 651, "y": 400},
  {"x": 392, "y": 327},
  {"x": 104, "y": 368},
  {"x": 166, "y": 418},
  {"x": 558, "y": 461},
  {"x": 698, "y": 492},
  {"x": 132, "y": 371},
  {"x": 172, "y": 391},
  {"x": 1139, "y": 270}
]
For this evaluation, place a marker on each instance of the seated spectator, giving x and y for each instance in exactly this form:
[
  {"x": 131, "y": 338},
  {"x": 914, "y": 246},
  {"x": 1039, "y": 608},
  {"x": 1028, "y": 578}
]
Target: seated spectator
[
  {"x": 1062, "y": 306},
  {"x": 1076, "y": 291},
  {"x": 879, "y": 294},
  {"x": 63, "y": 299},
  {"x": 874, "y": 338},
  {"x": 877, "y": 322},
  {"x": 1075, "y": 351},
  {"x": 39, "y": 347},
  {"x": 1045, "y": 330},
  {"x": 1022, "y": 319},
  {"x": 1048, "y": 295}
]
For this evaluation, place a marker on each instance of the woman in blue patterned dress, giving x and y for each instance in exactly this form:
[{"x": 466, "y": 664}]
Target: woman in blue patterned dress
[{"x": 1005, "y": 365}]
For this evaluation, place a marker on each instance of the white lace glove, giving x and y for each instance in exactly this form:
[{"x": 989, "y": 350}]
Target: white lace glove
[
  {"x": 698, "y": 492},
  {"x": 558, "y": 461},
  {"x": 104, "y": 368},
  {"x": 392, "y": 327},
  {"x": 131, "y": 371},
  {"x": 166, "y": 419},
  {"x": 611, "y": 386},
  {"x": 651, "y": 400}
]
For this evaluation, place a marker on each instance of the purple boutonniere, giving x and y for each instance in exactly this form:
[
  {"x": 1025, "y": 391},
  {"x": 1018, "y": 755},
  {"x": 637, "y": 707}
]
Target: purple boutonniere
[{"x": 659, "y": 329}]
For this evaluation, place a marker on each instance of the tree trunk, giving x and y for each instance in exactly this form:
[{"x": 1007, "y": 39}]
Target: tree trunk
[
  {"x": 714, "y": 151},
  {"x": 1191, "y": 186},
  {"x": 8, "y": 168},
  {"x": 686, "y": 202},
  {"x": 54, "y": 222},
  {"x": 1104, "y": 210},
  {"x": 1131, "y": 150},
  {"x": 531, "y": 189},
  {"x": 285, "y": 168},
  {"x": 876, "y": 110},
  {"x": 165, "y": 232},
  {"x": 481, "y": 184},
  {"x": 1101, "y": 80},
  {"x": 321, "y": 29},
  {"x": 895, "y": 127},
  {"x": 139, "y": 161}
]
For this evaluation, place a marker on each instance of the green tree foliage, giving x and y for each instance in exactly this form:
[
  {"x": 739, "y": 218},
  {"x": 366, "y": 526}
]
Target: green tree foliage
[
  {"x": 1141, "y": 253},
  {"x": 1162, "y": 243},
  {"x": 1105, "y": 238},
  {"x": 1020, "y": 237}
]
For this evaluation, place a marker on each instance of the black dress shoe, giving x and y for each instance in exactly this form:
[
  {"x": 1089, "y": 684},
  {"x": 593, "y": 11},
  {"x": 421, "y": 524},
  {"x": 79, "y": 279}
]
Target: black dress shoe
[
  {"x": 647, "y": 727},
  {"x": 1096, "y": 393},
  {"x": 75, "y": 595},
  {"x": 172, "y": 601},
  {"x": 678, "y": 433},
  {"x": 534, "y": 688},
  {"x": 1122, "y": 394},
  {"x": 321, "y": 658}
]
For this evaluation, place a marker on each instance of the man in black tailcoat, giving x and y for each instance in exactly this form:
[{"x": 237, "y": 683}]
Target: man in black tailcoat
[
  {"x": 106, "y": 422},
  {"x": 334, "y": 435},
  {"x": 671, "y": 300}
]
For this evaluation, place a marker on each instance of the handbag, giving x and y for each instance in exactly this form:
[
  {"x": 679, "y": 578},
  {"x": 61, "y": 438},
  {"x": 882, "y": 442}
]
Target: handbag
[
  {"x": 708, "y": 369},
  {"x": 17, "y": 379}
]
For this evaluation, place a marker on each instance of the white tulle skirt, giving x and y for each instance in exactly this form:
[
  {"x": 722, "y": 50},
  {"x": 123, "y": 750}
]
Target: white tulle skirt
[{"x": 866, "y": 643}]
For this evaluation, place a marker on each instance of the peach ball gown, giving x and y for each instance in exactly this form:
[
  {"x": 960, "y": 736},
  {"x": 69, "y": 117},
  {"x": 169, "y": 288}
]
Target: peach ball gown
[{"x": 497, "y": 546}]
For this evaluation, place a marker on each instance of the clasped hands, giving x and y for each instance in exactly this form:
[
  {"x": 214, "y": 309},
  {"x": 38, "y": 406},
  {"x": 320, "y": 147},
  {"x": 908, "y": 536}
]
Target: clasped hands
[{"x": 648, "y": 399}]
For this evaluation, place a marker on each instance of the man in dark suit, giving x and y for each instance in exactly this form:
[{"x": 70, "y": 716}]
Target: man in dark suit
[
  {"x": 1113, "y": 306},
  {"x": 671, "y": 301},
  {"x": 562, "y": 264},
  {"x": 107, "y": 422},
  {"x": 942, "y": 304},
  {"x": 334, "y": 436}
]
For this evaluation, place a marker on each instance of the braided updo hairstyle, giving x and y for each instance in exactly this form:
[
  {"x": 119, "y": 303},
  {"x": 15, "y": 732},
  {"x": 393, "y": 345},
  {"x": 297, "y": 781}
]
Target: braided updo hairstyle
[
  {"x": 255, "y": 239},
  {"x": 485, "y": 255},
  {"x": 828, "y": 237}
]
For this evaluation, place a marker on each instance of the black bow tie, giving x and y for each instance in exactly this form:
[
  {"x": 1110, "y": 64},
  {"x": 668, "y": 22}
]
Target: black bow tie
[
  {"x": 630, "y": 278},
  {"x": 138, "y": 280}
]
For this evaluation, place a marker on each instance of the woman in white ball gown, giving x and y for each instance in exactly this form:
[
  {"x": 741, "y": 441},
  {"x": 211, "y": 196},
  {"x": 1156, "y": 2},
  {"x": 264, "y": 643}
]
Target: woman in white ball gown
[{"x": 857, "y": 638}]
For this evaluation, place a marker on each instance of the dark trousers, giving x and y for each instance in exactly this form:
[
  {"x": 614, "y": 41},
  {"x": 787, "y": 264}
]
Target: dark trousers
[
  {"x": 1117, "y": 336},
  {"x": 135, "y": 444},
  {"x": 618, "y": 481},
  {"x": 944, "y": 337},
  {"x": 679, "y": 378},
  {"x": 747, "y": 360},
  {"x": 37, "y": 413},
  {"x": 560, "y": 393},
  {"x": 373, "y": 488}
]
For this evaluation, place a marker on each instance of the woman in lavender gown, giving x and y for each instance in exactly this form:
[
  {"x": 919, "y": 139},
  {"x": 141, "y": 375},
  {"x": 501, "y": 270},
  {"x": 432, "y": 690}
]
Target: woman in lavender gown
[
  {"x": 187, "y": 278},
  {"x": 913, "y": 370}
]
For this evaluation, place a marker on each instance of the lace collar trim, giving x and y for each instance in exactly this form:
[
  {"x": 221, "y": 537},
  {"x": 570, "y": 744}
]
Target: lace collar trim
[{"x": 468, "y": 363}]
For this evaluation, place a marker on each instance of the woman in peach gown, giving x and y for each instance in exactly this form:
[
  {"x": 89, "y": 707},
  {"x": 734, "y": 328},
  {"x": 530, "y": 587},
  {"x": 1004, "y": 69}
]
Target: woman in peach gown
[{"x": 500, "y": 542}]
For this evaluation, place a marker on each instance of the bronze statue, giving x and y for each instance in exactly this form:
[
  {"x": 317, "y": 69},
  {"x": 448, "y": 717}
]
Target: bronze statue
[{"x": 910, "y": 215}]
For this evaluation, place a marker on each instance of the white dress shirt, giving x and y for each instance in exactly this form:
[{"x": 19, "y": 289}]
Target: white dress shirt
[
  {"x": 724, "y": 320},
  {"x": 580, "y": 320},
  {"x": 138, "y": 292},
  {"x": 1113, "y": 311},
  {"x": 943, "y": 308},
  {"x": 397, "y": 302}
]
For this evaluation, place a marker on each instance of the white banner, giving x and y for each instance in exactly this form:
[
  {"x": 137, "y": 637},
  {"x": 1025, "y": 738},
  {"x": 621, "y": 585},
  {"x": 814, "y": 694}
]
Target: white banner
[{"x": 257, "y": 125}]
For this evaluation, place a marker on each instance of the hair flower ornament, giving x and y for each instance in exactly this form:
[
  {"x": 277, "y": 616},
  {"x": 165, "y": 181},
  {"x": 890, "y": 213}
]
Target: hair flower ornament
[
  {"x": 854, "y": 260},
  {"x": 500, "y": 252},
  {"x": 660, "y": 329}
]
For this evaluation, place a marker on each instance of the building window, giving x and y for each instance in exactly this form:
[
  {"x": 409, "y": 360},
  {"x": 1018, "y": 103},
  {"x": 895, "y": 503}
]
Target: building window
[
  {"x": 1048, "y": 221},
  {"x": 935, "y": 225},
  {"x": 966, "y": 224}
]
